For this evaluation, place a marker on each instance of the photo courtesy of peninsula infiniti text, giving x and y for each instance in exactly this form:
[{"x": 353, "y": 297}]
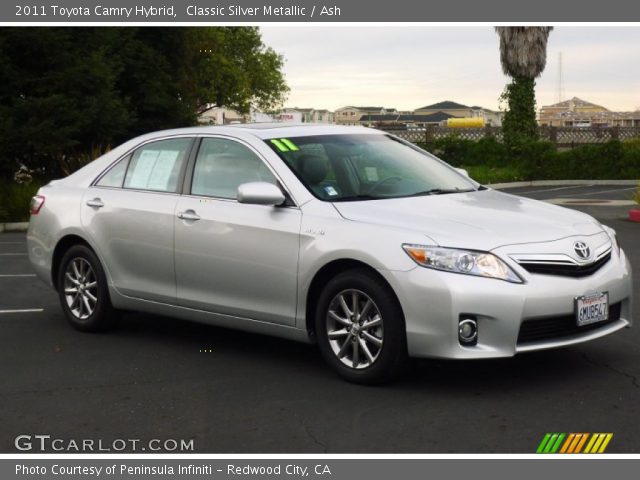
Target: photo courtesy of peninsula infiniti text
[{"x": 346, "y": 237}]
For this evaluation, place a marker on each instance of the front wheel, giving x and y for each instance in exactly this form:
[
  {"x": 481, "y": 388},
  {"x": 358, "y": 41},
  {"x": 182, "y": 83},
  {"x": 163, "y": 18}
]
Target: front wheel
[
  {"x": 83, "y": 290},
  {"x": 360, "y": 328}
]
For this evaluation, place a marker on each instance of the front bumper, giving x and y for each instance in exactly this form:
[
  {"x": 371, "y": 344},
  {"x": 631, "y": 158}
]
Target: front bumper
[{"x": 434, "y": 301}]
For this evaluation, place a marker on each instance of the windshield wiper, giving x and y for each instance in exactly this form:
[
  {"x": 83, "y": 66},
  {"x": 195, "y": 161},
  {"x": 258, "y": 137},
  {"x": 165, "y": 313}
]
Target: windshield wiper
[
  {"x": 355, "y": 198},
  {"x": 432, "y": 191},
  {"x": 442, "y": 191}
]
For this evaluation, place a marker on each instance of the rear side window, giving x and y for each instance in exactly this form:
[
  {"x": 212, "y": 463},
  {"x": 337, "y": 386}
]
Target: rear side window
[
  {"x": 222, "y": 165},
  {"x": 115, "y": 176},
  {"x": 157, "y": 166}
]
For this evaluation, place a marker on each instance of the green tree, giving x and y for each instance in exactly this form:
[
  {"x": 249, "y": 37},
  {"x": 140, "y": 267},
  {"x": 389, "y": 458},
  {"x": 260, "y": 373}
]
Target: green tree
[
  {"x": 57, "y": 94},
  {"x": 523, "y": 55},
  {"x": 68, "y": 93}
]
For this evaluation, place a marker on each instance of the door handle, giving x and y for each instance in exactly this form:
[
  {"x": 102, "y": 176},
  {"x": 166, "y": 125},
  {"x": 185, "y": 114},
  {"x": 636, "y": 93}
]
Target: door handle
[
  {"x": 189, "y": 215},
  {"x": 96, "y": 203}
]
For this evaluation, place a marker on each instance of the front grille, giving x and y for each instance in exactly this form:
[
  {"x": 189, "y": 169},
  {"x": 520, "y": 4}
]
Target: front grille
[
  {"x": 566, "y": 269},
  {"x": 549, "y": 328}
]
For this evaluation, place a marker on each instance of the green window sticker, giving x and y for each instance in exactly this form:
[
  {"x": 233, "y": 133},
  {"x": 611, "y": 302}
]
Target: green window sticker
[
  {"x": 292, "y": 146},
  {"x": 279, "y": 145}
]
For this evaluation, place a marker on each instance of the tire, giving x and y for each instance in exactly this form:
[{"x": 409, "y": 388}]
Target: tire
[
  {"x": 83, "y": 291},
  {"x": 381, "y": 328}
]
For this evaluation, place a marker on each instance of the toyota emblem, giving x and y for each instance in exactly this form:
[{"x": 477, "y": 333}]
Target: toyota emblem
[{"x": 582, "y": 250}]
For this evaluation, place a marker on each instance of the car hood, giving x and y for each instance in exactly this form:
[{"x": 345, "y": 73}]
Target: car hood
[{"x": 481, "y": 220}]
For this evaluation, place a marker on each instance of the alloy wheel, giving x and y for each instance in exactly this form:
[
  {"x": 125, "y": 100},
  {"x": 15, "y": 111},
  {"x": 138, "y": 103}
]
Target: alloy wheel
[
  {"x": 355, "y": 329},
  {"x": 80, "y": 288}
]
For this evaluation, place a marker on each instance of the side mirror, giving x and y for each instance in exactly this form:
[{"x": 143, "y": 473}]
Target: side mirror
[
  {"x": 463, "y": 171},
  {"x": 260, "y": 193}
]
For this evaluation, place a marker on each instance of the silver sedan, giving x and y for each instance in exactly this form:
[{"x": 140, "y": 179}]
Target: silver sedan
[{"x": 343, "y": 236}]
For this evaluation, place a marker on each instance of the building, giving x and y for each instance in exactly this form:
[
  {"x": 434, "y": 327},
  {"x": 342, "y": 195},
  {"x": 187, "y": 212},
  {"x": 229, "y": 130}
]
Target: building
[
  {"x": 351, "y": 115},
  {"x": 451, "y": 108},
  {"x": 323, "y": 116},
  {"x": 257, "y": 116},
  {"x": 306, "y": 115},
  {"x": 455, "y": 109},
  {"x": 290, "y": 115},
  {"x": 404, "y": 120},
  {"x": 581, "y": 113},
  {"x": 220, "y": 116}
]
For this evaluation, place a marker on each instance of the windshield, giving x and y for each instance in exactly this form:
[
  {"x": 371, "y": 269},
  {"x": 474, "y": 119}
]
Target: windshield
[{"x": 366, "y": 167}]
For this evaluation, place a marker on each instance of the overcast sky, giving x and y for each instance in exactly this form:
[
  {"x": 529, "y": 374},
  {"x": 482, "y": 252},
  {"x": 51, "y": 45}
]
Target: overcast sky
[{"x": 410, "y": 67}]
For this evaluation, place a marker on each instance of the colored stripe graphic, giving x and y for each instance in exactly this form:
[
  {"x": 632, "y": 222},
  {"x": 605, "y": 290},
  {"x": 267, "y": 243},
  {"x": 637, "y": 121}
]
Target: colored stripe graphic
[
  {"x": 550, "y": 443},
  {"x": 279, "y": 145},
  {"x": 292, "y": 146},
  {"x": 581, "y": 442},
  {"x": 565, "y": 447},
  {"x": 543, "y": 443},
  {"x": 607, "y": 439},
  {"x": 574, "y": 443},
  {"x": 598, "y": 442},
  {"x": 590, "y": 444}
]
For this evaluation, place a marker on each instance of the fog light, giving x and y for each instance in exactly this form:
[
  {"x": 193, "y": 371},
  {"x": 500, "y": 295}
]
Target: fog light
[{"x": 468, "y": 331}]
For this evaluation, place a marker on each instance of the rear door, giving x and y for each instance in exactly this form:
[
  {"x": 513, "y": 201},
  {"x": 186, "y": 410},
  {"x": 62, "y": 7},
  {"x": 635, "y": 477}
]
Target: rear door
[
  {"x": 129, "y": 214},
  {"x": 233, "y": 258}
]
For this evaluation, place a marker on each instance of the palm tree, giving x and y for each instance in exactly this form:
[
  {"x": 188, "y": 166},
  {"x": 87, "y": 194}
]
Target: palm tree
[{"x": 523, "y": 55}]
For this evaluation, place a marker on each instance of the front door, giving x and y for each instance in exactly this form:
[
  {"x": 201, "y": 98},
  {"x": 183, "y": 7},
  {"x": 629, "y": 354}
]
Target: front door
[{"x": 232, "y": 258}]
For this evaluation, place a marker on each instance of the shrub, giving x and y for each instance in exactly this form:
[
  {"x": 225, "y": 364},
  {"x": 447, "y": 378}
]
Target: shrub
[
  {"x": 540, "y": 160},
  {"x": 15, "y": 199},
  {"x": 459, "y": 152},
  {"x": 636, "y": 195}
]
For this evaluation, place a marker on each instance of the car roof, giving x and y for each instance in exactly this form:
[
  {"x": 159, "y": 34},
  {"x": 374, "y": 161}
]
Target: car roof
[{"x": 271, "y": 130}]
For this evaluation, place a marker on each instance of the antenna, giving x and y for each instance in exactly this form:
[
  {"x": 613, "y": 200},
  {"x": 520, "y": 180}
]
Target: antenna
[{"x": 560, "y": 86}]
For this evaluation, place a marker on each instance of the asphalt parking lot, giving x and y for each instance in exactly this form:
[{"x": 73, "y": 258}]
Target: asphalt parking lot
[{"x": 151, "y": 378}]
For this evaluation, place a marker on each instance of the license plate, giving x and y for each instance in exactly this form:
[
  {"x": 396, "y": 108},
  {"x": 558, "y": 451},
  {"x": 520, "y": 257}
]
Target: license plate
[{"x": 592, "y": 309}]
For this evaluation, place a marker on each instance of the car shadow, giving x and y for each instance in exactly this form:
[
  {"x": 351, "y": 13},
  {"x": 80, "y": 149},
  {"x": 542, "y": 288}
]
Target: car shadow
[{"x": 524, "y": 371}]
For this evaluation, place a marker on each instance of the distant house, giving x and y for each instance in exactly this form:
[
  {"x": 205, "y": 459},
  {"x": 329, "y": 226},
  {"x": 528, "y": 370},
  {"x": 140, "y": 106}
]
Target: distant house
[
  {"x": 307, "y": 115},
  {"x": 258, "y": 116},
  {"x": 454, "y": 109},
  {"x": 220, "y": 116},
  {"x": 577, "y": 112},
  {"x": 292, "y": 115},
  {"x": 404, "y": 120},
  {"x": 576, "y": 105},
  {"x": 351, "y": 115},
  {"x": 323, "y": 116}
]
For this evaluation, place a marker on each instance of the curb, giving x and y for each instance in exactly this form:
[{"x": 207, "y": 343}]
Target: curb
[
  {"x": 553, "y": 183},
  {"x": 14, "y": 227}
]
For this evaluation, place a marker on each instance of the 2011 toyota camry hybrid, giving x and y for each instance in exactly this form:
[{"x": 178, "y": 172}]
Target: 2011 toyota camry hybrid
[{"x": 344, "y": 236}]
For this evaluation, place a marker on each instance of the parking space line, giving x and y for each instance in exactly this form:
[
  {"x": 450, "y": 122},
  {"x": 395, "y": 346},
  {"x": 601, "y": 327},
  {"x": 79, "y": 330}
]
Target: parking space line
[
  {"x": 13, "y": 254},
  {"x": 553, "y": 189},
  {"x": 12, "y": 243},
  {"x": 27, "y": 310},
  {"x": 603, "y": 191},
  {"x": 10, "y": 275}
]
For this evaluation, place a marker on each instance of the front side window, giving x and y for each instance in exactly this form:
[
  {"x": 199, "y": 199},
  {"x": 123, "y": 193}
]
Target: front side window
[
  {"x": 222, "y": 165},
  {"x": 366, "y": 167},
  {"x": 156, "y": 166}
]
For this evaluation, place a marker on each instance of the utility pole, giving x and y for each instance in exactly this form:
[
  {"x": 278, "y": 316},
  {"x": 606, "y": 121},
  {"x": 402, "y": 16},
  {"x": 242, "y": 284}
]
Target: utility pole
[{"x": 560, "y": 86}]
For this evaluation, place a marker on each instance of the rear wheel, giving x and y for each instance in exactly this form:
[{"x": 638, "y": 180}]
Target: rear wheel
[
  {"x": 360, "y": 328},
  {"x": 83, "y": 291}
]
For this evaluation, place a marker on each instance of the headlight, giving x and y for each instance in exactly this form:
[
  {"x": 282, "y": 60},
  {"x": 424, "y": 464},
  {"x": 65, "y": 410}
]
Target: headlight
[
  {"x": 612, "y": 236},
  {"x": 468, "y": 262}
]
